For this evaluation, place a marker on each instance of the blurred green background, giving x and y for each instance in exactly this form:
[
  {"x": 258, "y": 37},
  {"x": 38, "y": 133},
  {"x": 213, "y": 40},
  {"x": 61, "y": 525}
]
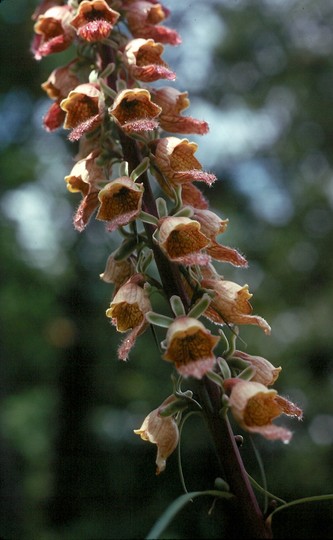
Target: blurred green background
[{"x": 261, "y": 73}]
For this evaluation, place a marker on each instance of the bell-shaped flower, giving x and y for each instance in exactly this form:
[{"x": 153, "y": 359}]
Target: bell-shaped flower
[
  {"x": 54, "y": 117},
  {"x": 212, "y": 225},
  {"x": 143, "y": 18},
  {"x": 162, "y": 431},
  {"x": 231, "y": 305},
  {"x": 120, "y": 201},
  {"x": 189, "y": 346},
  {"x": 84, "y": 178},
  {"x": 43, "y": 6},
  {"x": 118, "y": 272},
  {"x": 193, "y": 196},
  {"x": 182, "y": 241},
  {"x": 58, "y": 85},
  {"x": 265, "y": 372},
  {"x": 82, "y": 107},
  {"x": 61, "y": 81},
  {"x": 173, "y": 102},
  {"x": 127, "y": 312},
  {"x": 134, "y": 111},
  {"x": 254, "y": 407},
  {"x": 94, "y": 20},
  {"x": 144, "y": 62},
  {"x": 53, "y": 33},
  {"x": 175, "y": 163}
]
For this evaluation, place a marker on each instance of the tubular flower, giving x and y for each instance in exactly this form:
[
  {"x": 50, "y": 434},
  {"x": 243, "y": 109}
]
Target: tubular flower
[
  {"x": 134, "y": 111},
  {"x": 254, "y": 407},
  {"x": 82, "y": 110},
  {"x": 211, "y": 226},
  {"x": 44, "y": 6},
  {"x": 117, "y": 272},
  {"x": 189, "y": 345},
  {"x": 173, "y": 102},
  {"x": 175, "y": 163},
  {"x": 143, "y": 59},
  {"x": 265, "y": 372},
  {"x": 143, "y": 18},
  {"x": 94, "y": 20},
  {"x": 60, "y": 82},
  {"x": 211, "y": 223},
  {"x": 127, "y": 312},
  {"x": 162, "y": 431},
  {"x": 192, "y": 196},
  {"x": 84, "y": 178},
  {"x": 182, "y": 241},
  {"x": 54, "y": 117},
  {"x": 53, "y": 33},
  {"x": 231, "y": 305},
  {"x": 120, "y": 202}
]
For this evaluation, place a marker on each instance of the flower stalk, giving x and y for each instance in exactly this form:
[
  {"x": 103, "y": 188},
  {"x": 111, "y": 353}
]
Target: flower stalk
[
  {"x": 105, "y": 98},
  {"x": 249, "y": 520}
]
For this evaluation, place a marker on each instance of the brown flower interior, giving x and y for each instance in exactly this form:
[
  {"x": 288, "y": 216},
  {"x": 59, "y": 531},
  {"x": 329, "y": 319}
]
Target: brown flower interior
[
  {"x": 128, "y": 316},
  {"x": 193, "y": 346},
  {"x": 261, "y": 409},
  {"x": 117, "y": 203},
  {"x": 80, "y": 109},
  {"x": 184, "y": 241}
]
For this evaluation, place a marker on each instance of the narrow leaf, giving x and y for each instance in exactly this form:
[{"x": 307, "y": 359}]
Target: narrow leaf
[
  {"x": 158, "y": 319},
  {"x": 123, "y": 168},
  {"x": 225, "y": 370},
  {"x": 177, "y": 505},
  {"x": 200, "y": 307},
  {"x": 140, "y": 169},
  {"x": 186, "y": 211},
  {"x": 247, "y": 373},
  {"x": 177, "y": 306},
  {"x": 161, "y": 206},
  {"x": 148, "y": 218}
]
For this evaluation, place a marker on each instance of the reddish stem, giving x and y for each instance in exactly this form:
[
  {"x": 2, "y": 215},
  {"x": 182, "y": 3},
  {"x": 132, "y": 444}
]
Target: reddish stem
[{"x": 249, "y": 521}]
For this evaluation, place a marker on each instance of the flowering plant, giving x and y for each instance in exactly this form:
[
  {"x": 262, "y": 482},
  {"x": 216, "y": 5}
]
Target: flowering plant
[{"x": 137, "y": 174}]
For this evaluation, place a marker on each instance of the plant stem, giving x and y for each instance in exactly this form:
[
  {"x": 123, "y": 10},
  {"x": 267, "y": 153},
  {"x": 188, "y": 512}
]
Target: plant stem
[
  {"x": 248, "y": 519},
  {"x": 169, "y": 272}
]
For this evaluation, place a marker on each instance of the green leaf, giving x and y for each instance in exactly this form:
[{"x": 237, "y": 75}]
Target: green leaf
[
  {"x": 123, "y": 168},
  {"x": 177, "y": 306},
  {"x": 161, "y": 206},
  {"x": 186, "y": 211},
  {"x": 140, "y": 169},
  {"x": 144, "y": 261},
  {"x": 225, "y": 370},
  {"x": 247, "y": 373},
  {"x": 200, "y": 307},
  {"x": 148, "y": 218},
  {"x": 125, "y": 249},
  {"x": 265, "y": 491},
  {"x": 172, "y": 408},
  {"x": 108, "y": 70},
  {"x": 215, "y": 377},
  {"x": 177, "y": 505},
  {"x": 158, "y": 319},
  {"x": 304, "y": 500},
  {"x": 106, "y": 89}
]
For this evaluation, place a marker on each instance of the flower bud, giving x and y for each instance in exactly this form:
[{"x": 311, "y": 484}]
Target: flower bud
[
  {"x": 265, "y": 372},
  {"x": 162, "y": 431}
]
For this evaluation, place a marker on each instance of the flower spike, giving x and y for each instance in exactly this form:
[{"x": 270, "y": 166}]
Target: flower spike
[{"x": 138, "y": 175}]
